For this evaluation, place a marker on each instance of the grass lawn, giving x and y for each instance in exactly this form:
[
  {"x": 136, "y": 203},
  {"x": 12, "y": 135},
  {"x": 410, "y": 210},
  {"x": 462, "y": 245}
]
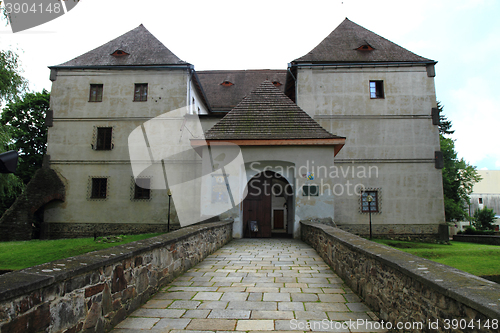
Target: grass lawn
[
  {"x": 19, "y": 255},
  {"x": 477, "y": 259}
]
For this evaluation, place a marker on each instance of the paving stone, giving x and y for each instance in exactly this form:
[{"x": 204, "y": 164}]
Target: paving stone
[
  {"x": 212, "y": 305},
  {"x": 326, "y": 307},
  {"x": 346, "y": 316},
  {"x": 158, "y": 304},
  {"x": 357, "y": 307},
  {"x": 290, "y": 325},
  {"x": 290, "y": 290},
  {"x": 212, "y": 324},
  {"x": 352, "y": 298},
  {"x": 191, "y": 289},
  {"x": 312, "y": 290},
  {"x": 262, "y": 290},
  {"x": 230, "y": 314},
  {"x": 272, "y": 314},
  {"x": 331, "y": 298},
  {"x": 310, "y": 315},
  {"x": 196, "y": 314},
  {"x": 276, "y": 297},
  {"x": 158, "y": 313},
  {"x": 255, "y": 296},
  {"x": 138, "y": 323},
  {"x": 231, "y": 289},
  {"x": 175, "y": 295},
  {"x": 184, "y": 305},
  {"x": 246, "y": 305},
  {"x": 232, "y": 296},
  {"x": 208, "y": 296},
  {"x": 299, "y": 297},
  {"x": 255, "y": 325},
  {"x": 333, "y": 291},
  {"x": 322, "y": 326},
  {"x": 172, "y": 324},
  {"x": 290, "y": 306}
]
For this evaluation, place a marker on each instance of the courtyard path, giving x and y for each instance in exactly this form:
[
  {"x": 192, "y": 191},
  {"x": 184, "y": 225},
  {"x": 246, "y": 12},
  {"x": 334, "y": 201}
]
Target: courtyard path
[{"x": 255, "y": 285}]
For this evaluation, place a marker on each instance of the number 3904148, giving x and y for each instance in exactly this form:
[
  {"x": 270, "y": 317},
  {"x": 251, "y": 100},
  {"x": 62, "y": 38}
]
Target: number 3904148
[{"x": 25, "y": 8}]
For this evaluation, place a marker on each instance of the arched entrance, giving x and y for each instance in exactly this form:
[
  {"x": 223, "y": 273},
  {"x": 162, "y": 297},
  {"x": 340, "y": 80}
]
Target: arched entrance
[{"x": 269, "y": 202}]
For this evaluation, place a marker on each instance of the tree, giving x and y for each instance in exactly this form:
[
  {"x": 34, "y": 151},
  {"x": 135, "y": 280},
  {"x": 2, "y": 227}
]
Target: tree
[
  {"x": 26, "y": 119},
  {"x": 458, "y": 176},
  {"x": 483, "y": 219},
  {"x": 12, "y": 84}
]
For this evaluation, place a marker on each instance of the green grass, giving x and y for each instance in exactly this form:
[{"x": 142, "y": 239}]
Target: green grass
[
  {"x": 19, "y": 255},
  {"x": 477, "y": 259}
]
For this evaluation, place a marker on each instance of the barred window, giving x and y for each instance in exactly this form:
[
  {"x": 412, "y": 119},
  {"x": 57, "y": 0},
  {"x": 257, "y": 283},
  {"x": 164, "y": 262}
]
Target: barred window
[
  {"x": 142, "y": 188},
  {"x": 99, "y": 188},
  {"x": 95, "y": 93},
  {"x": 104, "y": 138},
  {"x": 366, "y": 206},
  {"x": 141, "y": 92}
]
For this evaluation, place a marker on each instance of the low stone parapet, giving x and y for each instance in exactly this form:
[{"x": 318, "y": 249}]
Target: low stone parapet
[
  {"x": 480, "y": 239},
  {"x": 405, "y": 289},
  {"x": 95, "y": 291}
]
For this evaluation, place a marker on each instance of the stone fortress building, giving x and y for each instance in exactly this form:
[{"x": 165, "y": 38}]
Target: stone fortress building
[{"x": 354, "y": 117}]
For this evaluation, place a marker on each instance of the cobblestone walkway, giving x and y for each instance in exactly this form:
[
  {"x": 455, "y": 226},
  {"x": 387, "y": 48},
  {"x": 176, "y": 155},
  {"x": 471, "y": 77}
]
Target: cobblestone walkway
[{"x": 254, "y": 285}]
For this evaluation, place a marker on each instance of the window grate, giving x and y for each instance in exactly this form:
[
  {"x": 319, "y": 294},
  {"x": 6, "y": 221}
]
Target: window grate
[
  {"x": 142, "y": 189},
  {"x": 99, "y": 188}
]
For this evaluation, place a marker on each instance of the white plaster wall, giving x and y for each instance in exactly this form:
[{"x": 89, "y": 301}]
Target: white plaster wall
[
  {"x": 70, "y": 139},
  {"x": 394, "y": 134}
]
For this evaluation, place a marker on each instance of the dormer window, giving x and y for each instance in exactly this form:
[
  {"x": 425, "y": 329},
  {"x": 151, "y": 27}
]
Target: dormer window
[
  {"x": 277, "y": 83},
  {"x": 227, "y": 83},
  {"x": 119, "y": 53},
  {"x": 365, "y": 47}
]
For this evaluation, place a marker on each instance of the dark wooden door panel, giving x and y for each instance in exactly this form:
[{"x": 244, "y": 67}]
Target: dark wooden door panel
[{"x": 279, "y": 219}]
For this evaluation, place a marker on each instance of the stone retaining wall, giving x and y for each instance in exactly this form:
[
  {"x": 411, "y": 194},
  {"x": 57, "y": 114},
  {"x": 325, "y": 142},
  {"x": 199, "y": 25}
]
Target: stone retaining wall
[
  {"x": 405, "y": 288},
  {"x": 95, "y": 291},
  {"x": 480, "y": 239}
]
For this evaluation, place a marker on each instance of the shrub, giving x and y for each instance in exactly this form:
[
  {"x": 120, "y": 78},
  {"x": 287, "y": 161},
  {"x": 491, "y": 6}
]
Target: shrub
[{"x": 483, "y": 219}]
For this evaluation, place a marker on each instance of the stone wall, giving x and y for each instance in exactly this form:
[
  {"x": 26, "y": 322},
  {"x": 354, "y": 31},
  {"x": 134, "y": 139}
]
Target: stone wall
[
  {"x": 405, "y": 288},
  {"x": 95, "y": 291},
  {"x": 45, "y": 186},
  {"x": 480, "y": 239}
]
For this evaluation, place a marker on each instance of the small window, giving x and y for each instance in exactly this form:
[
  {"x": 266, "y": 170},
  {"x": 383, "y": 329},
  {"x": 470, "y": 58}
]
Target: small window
[
  {"x": 142, "y": 189},
  {"x": 480, "y": 201},
  {"x": 376, "y": 89},
  {"x": 104, "y": 138},
  {"x": 227, "y": 83},
  {"x": 119, "y": 53},
  {"x": 95, "y": 93},
  {"x": 365, "y": 47},
  {"x": 310, "y": 190},
  {"x": 277, "y": 83},
  {"x": 99, "y": 188},
  {"x": 141, "y": 92},
  {"x": 367, "y": 206}
]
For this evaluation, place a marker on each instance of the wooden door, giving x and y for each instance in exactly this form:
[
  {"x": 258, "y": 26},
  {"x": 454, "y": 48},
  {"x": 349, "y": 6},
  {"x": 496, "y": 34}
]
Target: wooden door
[
  {"x": 279, "y": 219},
  {"x": 257, "y": 206}
]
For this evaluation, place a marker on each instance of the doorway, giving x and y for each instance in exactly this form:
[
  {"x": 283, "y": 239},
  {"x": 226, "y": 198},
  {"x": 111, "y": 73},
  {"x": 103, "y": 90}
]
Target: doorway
[{"x": 268, "y": 202}]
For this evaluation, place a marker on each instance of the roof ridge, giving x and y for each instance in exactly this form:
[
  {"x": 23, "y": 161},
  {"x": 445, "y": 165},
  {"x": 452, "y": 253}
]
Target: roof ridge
[
  {"x": 342, "y": 43},
  {"x": 143, "y": 49}
]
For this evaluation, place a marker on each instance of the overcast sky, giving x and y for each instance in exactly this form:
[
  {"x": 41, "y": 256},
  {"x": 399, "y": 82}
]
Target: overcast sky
[{"x": 462, "y": 35}]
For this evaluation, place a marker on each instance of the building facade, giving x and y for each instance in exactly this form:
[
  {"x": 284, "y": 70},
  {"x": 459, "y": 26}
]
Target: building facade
[{"x": 355, "y": 88}]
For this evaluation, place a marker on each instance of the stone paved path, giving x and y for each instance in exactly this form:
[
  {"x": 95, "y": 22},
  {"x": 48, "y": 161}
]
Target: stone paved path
[{"x": 254, "y": 285}]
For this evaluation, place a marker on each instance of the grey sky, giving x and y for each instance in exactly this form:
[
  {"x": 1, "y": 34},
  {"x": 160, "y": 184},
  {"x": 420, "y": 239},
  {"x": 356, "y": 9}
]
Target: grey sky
[{"x": 461, "y": 35}]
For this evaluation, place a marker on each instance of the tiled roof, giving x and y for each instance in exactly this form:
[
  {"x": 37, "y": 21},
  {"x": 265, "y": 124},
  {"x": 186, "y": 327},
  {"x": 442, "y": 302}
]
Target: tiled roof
[
  {"x": 266, "y": 113},
  {"x": 141, "y": 46},
  {"x": 342, "y": 44},
  {"x": 225, "y": 97}
]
